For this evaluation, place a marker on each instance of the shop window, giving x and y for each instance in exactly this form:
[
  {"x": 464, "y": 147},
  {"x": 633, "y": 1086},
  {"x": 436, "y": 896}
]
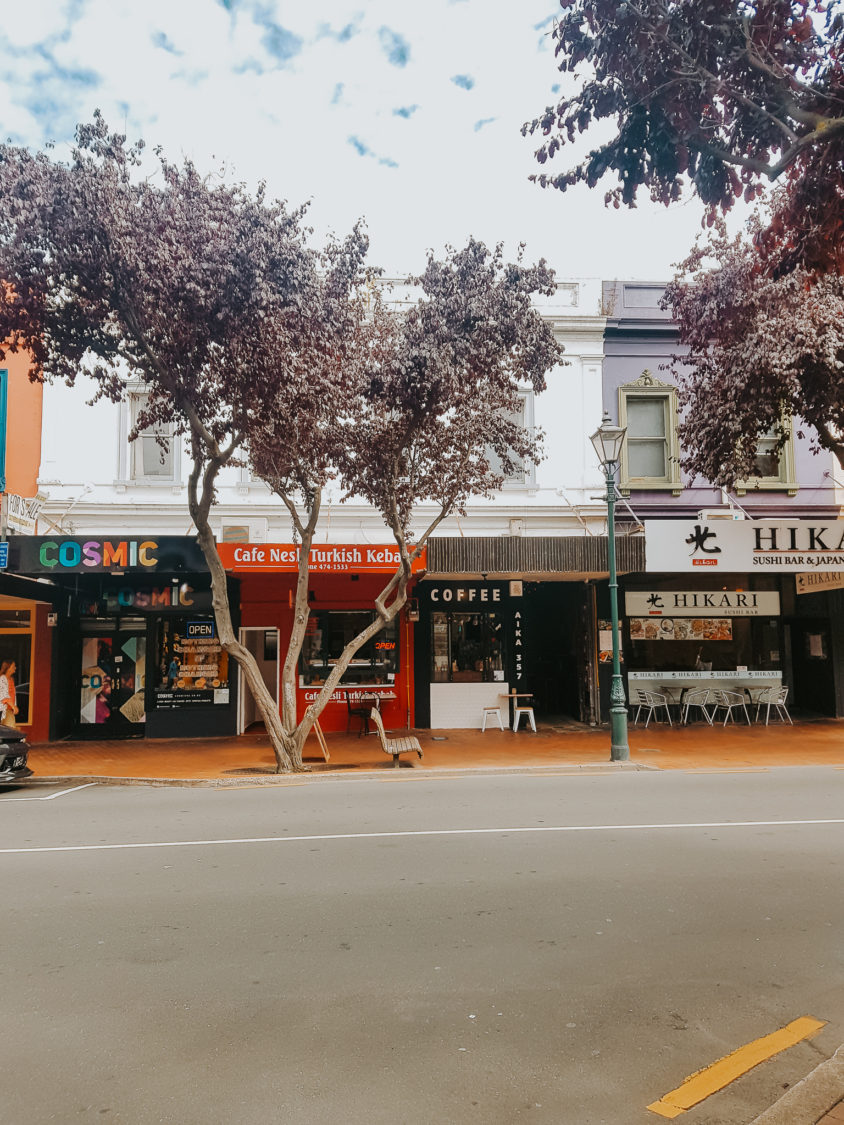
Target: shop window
[
  {"x": 650, "y": 456},
  {"x": 467, "y": 648},
  {"x": 328, "y": 633},
  {"x": 773, "y": 468},
  {"x": 192, "y": 667},
  {"x": 16, "y": 640}
]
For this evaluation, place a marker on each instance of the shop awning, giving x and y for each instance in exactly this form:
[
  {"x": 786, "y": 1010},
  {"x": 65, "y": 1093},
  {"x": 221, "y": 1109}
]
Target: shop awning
[{"x": 552, "y": 558}]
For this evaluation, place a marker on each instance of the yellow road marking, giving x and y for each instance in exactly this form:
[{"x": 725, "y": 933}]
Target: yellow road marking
[{"x": 720, "y": 1074}]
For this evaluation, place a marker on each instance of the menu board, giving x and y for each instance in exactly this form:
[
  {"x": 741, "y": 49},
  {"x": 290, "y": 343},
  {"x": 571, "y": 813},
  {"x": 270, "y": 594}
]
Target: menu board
[{"x": 681, "y": 628}]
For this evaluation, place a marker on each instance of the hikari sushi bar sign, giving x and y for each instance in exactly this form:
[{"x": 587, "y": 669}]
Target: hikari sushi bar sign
[
  {"x": 750, "y": 546},
  {"x": 702, "y": 603},
  {"x": 325, "y": 558}
]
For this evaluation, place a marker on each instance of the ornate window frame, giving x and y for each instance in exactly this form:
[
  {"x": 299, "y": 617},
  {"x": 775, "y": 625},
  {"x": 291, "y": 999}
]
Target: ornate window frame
[{"x": 648, "y": 386}]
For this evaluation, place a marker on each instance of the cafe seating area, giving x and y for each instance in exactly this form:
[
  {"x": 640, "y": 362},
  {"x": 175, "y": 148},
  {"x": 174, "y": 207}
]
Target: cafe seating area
[{"x": 728, "y": 699}]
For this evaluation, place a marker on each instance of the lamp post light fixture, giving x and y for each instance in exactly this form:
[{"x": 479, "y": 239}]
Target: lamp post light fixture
[{"x": 607, "y": 442}]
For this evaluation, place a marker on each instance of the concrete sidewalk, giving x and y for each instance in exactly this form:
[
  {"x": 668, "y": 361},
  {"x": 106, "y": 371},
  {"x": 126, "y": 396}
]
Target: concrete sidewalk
[{"x": 249, "y": 758}]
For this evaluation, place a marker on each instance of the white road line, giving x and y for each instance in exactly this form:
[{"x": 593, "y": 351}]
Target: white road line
[
  {"x": 421, "y": 832},
  {"x": 50, "y": 796}
]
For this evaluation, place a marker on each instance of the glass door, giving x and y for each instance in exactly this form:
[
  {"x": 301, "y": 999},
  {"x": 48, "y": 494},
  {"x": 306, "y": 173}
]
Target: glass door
[{"x": 113, "y": 672}]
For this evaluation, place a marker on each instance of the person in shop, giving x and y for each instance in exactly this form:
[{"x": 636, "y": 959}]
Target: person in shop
[
  {"x": 173, "y": 673},
  {"x": 7, "y": 693}
]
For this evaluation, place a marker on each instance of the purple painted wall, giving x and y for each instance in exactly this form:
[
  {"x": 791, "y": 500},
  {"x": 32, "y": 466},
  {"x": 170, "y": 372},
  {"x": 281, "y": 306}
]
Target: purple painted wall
[{"x": 640, "y": 335}]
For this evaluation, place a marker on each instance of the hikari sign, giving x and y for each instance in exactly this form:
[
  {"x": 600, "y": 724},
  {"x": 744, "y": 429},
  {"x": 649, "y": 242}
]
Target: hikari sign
[{"x": 757, "y": 546}]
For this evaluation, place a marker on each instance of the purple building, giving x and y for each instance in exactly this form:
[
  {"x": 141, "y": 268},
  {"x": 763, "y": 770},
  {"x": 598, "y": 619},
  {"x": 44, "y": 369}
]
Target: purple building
[{"x": 769, "y": 624}]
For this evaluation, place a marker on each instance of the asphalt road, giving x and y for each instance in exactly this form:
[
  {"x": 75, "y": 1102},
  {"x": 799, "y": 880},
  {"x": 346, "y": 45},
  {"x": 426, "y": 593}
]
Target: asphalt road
[{"x": 393, "y": 951}]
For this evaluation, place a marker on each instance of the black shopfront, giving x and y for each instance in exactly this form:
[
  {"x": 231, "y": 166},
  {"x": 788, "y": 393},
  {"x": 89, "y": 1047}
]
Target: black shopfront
[
  {"x": 479, "y": 642},
  {"x": 136, "y": 651}
]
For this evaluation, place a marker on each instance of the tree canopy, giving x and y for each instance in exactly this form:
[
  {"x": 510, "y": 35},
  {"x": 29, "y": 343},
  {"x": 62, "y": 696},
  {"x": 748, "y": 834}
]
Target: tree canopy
[
  {"x": 726, "y": 95},
  {"x": 253, "y": 344},
  {"x": 420, "y": 421},
  {"x": 762, "y": 350}
]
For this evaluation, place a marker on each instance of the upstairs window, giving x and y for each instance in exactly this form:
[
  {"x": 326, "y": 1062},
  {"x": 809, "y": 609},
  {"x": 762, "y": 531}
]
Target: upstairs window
[
  {"x": 153, "y": 455},
  {"x": 522, "y": 474},
  {"x": 773, "y": 469},
  {"x": 650, "y": 454}
]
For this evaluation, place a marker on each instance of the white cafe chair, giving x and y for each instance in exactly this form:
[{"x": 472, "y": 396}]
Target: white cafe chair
[
  {"x": 698, "y": 697},
  {"x": 528, "y": 713},
  {"x": 773, "y": 697},
  {"x": 653, "y": 700},
  {"x": 729, "y": 701},
  {"x": 494, "y": 715}
]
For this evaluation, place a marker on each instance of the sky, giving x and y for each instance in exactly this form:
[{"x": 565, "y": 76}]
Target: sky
[{"x": 401, "y": 112}]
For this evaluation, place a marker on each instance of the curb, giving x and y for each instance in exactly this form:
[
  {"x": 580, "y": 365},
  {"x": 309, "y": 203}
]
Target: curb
[
  {"x": 811, "y": 1098},
  {"x": 275, "y": 779}
]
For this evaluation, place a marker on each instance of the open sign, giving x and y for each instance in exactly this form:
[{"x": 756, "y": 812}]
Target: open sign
[{"x": 201, "y": 629}]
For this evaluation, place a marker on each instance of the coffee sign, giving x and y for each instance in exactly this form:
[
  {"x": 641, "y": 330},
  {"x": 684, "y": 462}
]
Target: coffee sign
[{"x": 702, "y": 603}]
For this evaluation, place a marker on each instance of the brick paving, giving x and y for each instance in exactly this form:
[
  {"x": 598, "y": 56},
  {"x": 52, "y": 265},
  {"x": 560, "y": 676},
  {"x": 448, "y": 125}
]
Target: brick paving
[
  {"x": 835, "y": 1115},
  {"x": 697, "y": 747}
]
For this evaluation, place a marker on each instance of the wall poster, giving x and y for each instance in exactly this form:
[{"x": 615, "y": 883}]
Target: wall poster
[
  {"x": 192, "y": 666},
  {"x": 681, "y": 629}
]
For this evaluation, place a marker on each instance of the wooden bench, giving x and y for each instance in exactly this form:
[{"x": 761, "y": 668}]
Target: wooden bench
[{"x": 395, "y": 746}]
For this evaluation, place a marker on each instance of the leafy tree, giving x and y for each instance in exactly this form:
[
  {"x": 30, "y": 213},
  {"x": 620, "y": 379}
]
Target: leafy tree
[
  {"x": 419, "y": 421},
  {"x": 727, "y": 94},
  {"x": 252, "y": 343},
  {"x": 762, "y": 348}
]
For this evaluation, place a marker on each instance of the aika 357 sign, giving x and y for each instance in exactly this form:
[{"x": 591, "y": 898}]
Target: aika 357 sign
[{"x": 756, "y": 546}]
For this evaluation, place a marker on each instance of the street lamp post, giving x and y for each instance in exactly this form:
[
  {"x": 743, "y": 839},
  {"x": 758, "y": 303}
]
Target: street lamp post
[{"x": 607, "y": 442}]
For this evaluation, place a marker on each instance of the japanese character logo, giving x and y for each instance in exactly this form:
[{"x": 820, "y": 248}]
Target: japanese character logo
[
  {"x": 656, "y": 601},
  {"x": 698, "y": 539}
]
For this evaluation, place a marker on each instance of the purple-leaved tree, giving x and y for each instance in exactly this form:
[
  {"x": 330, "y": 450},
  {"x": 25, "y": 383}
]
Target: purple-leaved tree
[
  {"x": 762, "y": 348},
  {"x": 253, "y": 344},
  {"x": 725, "y": 95},
  {"x": 419, "y": 420}
]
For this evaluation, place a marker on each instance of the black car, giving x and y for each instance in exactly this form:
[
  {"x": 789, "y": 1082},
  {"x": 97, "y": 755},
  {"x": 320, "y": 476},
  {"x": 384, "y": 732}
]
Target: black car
[{"x": 14, "y": 751}]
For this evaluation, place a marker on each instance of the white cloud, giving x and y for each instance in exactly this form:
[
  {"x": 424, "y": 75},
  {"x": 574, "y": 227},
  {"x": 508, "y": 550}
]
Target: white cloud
[{"x": 426, "y": 178}]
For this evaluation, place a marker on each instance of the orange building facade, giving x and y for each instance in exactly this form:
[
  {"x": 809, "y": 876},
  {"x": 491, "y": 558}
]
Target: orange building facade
[{"x": 26, "y": 632}]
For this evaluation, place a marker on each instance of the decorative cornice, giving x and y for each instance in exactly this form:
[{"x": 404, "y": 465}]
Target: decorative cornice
[{"x": 646, "y": 379}]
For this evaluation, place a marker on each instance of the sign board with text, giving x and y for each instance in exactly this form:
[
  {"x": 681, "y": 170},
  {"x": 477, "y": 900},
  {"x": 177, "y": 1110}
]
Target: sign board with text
[
  {"x": 822, "y": 580},
  {"x": 702, "y": 603},
  {"x": 744, "y": 546},
  {"x": 326, "y": 558}
]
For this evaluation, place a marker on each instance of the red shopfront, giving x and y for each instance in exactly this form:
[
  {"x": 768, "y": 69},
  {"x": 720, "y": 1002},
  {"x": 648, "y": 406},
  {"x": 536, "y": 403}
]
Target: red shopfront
[{"x": 343, "y": 583}]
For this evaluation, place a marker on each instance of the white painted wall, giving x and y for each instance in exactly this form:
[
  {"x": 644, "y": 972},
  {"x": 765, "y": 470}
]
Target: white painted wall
[{"x": 85, "y": 455}]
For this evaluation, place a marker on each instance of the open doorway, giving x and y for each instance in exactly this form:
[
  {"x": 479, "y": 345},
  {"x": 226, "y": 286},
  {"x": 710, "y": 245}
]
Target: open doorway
[
  {"x": 556, "y": 656},
  {"x": 263, "y": 644}
]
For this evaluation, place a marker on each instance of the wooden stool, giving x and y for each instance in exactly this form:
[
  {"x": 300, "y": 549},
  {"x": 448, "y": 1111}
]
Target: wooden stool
[
  {"x": 517, "y": 714},
  {"x": 492, "y": 713}
]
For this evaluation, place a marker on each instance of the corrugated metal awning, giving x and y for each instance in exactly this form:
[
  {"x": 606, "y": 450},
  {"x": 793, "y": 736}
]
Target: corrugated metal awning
[{"x": 575, "y": 557}]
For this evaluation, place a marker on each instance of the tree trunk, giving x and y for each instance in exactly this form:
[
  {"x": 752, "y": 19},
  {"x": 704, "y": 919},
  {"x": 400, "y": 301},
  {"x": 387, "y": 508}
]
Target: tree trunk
[{"x": 288, "y": 753}]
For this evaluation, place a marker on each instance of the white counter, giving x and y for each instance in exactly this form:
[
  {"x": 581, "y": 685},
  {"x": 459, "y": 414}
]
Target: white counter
[{"x": 460, "y": 706}]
